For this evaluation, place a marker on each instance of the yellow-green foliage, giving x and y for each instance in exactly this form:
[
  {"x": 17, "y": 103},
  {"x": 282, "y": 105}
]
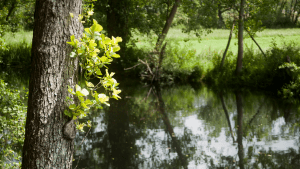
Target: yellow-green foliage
[{"x": 87, "y": 49}]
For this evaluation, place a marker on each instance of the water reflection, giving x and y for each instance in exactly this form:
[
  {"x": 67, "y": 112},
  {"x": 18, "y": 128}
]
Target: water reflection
[{"x": 180, "y": 127}]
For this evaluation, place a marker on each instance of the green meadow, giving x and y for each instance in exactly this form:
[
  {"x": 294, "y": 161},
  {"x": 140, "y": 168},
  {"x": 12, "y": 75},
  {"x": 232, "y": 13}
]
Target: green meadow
[
  {"x": 217, "y": 40},
  {"x": 213, "y": 42}
]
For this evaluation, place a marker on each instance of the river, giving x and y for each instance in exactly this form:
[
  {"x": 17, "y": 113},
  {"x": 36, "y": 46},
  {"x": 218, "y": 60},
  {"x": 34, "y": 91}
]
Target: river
[{"x": 191, "y": 127}]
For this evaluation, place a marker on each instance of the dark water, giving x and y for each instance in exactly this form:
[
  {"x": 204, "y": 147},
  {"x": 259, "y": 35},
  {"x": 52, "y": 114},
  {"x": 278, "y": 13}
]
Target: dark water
[{"x": 184, "y": 127}]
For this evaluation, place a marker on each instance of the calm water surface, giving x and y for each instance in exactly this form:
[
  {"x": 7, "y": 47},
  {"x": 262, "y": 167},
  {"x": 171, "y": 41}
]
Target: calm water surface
[{"x": 186, "y": 127}]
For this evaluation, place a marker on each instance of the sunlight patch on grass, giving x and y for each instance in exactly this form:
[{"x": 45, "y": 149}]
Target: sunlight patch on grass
[{"x": 18, "y": 37}]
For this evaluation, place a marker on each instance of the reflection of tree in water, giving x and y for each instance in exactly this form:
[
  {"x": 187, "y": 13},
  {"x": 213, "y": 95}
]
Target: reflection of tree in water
[
  {"x": 126, "y": 136},
  {"x": 256, "y": 156},
  {"x": 115, "y": 146},
  {"x": 239, "y": 105},
  {"x": 146, "y": 130},
  {"x": 182, "y": 159}
]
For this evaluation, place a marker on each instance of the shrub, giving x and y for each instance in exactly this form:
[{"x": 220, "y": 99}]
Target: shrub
[
  {"x": 258, "y": 71},
  {"x": 12, "y": 126}
]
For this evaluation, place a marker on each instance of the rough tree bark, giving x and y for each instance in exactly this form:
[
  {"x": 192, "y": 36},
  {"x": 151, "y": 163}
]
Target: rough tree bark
[
  {"x": 239, "y": 64},
  {"x": 52, "y": 70},
  {"x": 167, "y": 26}
]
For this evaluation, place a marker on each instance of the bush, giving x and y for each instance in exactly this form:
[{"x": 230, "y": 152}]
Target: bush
[
  {"x": 12, "y": 126},
  {"x": 258, "y": 71},
  {"x": 182, "y": 63}
]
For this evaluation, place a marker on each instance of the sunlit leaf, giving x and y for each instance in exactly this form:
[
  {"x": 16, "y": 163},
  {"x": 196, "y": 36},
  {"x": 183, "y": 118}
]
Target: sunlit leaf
[
  {"x": 98, "y": 72},
  {"x": 85, "y": 92},
  {"x": 78, "y": 88},
  {"x": 96, "y": 27},
  {"x": 89, "y": 84},
  {"x": 115, "y": 56}
]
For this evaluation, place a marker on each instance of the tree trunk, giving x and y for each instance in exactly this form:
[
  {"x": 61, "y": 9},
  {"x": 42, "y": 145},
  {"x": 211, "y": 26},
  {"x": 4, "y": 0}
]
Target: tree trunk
[
  {"x": 291, "y": 17},
  {"x": 256, "y": 43},
  {"x": 13, "y": 5},
  {"x": 167, "y": 26},
  {"x": 52, "y": 70},
  {"x": 239, "y": 64},
  {"x": 116, "y": 20},
  {"x": 120, "y": 136},
  {"x": 295, "y": 10},
  {"x": 228, "y": 43}
]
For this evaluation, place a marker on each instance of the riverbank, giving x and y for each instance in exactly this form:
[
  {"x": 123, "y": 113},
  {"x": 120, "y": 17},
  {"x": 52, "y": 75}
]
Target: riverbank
[{"x": 187, "y": 60}]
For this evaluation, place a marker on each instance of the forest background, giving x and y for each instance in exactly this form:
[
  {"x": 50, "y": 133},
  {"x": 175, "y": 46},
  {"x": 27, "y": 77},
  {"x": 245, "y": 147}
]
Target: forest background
[{"x": 171, "y": 41}]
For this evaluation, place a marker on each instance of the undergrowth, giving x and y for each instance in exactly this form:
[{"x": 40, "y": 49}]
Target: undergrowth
[{"x": 258, "y": 71}]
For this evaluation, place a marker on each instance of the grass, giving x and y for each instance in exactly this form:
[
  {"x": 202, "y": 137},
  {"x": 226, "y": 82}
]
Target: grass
[
  {"x": 213, "y": 42},
  {"x": 18, "y": 37},
  {"x": 217, "y": 40},
  {"x": 18, "y": 50}
]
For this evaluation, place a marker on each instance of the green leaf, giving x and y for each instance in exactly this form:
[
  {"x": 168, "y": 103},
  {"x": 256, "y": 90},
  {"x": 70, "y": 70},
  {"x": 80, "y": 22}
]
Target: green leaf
[
  {"x": 116, "y": 40},
  {"x": 102, "y": 37},
  {"x": 80, "y": 51},
  {"x": 72, "y": 107},
  {"x": 85, "y": 92},
  {"x": 104, "y": 59},
  {"x": 66, "y": 112},
  {"x": 88, "y": 30},
  {"x": 96, "y": 27},
  {"x": 78, "y": 88},
  {"x": 84, "y": 105},
  {"x": 72, "y": 38},
  {"x": 88, "y": 102},
  {"x": 81, "y": 99},
  {"x": 116, "y": 49},
  {"x": 70, "y": 90},
  {"x": 115, "y": 56},
  {"x": 98, "y": 72},
  {"x": 78, "y": 93},
  {"x": 72, "y": 15},
  {"x": 92, "y": 44},
  {"x": 71, "y": 43},
  {"x": 89, "y": 123},
  {"x": 89, "y": 84},
  {"x": 107, "y": 40}
]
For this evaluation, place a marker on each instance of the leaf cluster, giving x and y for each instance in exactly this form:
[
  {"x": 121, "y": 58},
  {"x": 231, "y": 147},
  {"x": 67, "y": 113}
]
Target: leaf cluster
[{"x": 94, "y": 51}]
